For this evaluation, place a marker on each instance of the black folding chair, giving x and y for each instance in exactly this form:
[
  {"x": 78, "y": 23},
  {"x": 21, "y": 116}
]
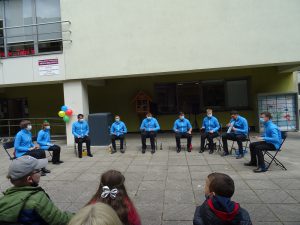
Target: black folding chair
[
  {"x": 34, "y": 139},
  {"x": 273, "y": 157},
  {"x": 247, "y": 142},
  {"x": 9, "y": 145},
  {"x": 218, "y": 144}
]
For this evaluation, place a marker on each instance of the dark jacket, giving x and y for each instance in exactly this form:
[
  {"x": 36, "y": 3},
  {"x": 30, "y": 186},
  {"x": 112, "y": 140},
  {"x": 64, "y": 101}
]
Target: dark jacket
[{"x": 207, "y": 214}]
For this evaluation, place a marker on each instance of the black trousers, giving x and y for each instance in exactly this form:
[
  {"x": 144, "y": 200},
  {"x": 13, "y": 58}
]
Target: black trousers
[
  {"x": 256, "y": 150},
  {"x": 148, "y": 134},
  {"x": 210, "y": 137},
  {"x": 114, "y": 138},
  {"x": 179, "y": 135},
  {"x": 56, "y": 153},
  {"x": 38, "y": 153},
  {"x": 239, "y": 138},
  {"x": 87, "y": 141}
]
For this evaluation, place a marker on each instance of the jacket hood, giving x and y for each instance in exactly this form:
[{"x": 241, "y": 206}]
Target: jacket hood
[{"x": 224, "y": 208}]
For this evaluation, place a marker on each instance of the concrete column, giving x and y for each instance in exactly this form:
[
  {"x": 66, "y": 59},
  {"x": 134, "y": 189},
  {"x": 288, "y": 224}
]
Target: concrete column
[{"x": 76, "y": 97}]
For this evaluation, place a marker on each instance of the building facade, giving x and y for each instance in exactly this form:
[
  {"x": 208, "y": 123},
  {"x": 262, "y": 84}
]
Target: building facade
[{"x": 95, "y": 56}]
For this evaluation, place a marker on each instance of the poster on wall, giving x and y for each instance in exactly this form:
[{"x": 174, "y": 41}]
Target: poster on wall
[
  {"x": 284, "y": 109},
  {"x": 48, "y": 67}
]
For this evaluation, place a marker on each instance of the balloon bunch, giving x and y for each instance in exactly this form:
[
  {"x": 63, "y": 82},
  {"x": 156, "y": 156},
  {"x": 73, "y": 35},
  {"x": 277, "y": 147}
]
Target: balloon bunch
[{"x": 65, "y": 113}]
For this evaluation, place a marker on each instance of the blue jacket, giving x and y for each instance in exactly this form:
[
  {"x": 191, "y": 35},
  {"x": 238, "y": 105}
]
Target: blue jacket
[
  {"x": 241, "y": 125},
  {"x": 211, "y": 123},
  {"x": 149, "y": 125},
  {"x": 272, "y": 134},
  {"x": 44, "y": 139},
  {"x": 80, "y": 129},
  {"x": 182, "y": 125},
  {"x": 118, "y": 128},
  {"x": 23, "y": 141}
]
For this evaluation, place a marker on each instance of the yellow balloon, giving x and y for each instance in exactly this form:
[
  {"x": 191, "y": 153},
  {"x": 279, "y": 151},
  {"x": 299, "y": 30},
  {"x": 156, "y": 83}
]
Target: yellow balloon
[{"x": 61, "y": 113}]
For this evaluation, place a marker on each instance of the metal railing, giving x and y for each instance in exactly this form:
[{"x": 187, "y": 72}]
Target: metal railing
[
  {"x": 36, "y": 34},
  {"x": 12, "y": 126}
]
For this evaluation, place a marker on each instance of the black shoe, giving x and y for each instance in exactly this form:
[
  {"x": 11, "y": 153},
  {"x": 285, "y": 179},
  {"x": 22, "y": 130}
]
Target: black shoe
[
  {"x": 143, "y": 151},
  {"x": 189, "y": 149},
  {"x": 90, "y": 155},
  {"x": 259, "y": 170},
  {"x": 201, "y": 150},
  {"x": 240, "y": 156},
  {"x": 113, "y": 151},
  {"x": 225, "y": 154},
  {"x": 211, "y": 151},
  {"x": 45, "y": 170},
  {"x": 58, "y": 162},
  {"x": 80, "y": 156},
  {"x": 152, "y": 151},
  {"x": 250, "y": 164},
  {"x": 122, "y": 150},
  {"x": 178, "y": 150}
]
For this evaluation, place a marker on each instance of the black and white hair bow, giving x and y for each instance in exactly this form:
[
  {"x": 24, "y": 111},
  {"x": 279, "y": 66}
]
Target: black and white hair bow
[{"x": 107, "y": 192}]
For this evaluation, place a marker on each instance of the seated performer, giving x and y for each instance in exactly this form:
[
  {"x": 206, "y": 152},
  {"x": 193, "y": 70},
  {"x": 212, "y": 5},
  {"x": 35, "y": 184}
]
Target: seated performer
[
  {"x": 270, "y": 140},
  {"x": 183, "y": 129},
  {"x": 210, "y": 127},
  {"x": 117, "y": 132}
]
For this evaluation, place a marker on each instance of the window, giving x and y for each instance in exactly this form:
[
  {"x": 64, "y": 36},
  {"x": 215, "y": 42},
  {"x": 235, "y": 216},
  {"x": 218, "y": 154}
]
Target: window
[
  {"x": 193, "y": 97},
  {"x": 165, "y": 97},
  {"x": 188, "y": 95},
  {"x": 30, "y": 27}
]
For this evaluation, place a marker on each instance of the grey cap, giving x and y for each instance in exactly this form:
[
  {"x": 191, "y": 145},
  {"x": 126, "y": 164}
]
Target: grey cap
[{"x": 25, "y": 165}]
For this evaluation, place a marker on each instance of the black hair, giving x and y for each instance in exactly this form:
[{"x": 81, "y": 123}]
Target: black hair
[
  {"x": 221, "y": 184},
  {"x": 234, "y": 112},
  {"x": 80, "y": 115}
]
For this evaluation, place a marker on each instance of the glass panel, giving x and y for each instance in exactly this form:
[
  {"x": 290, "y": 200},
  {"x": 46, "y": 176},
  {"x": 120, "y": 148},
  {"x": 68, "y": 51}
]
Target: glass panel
[
  {"x": 237, "y": 92},
  {"x": 189, "y": 97},
  {"x": 49, "y": 35},
  {"x": 213, "y": 94},
  {"x": 165, "y": 95},
  {"x": 19, "y": 40}
]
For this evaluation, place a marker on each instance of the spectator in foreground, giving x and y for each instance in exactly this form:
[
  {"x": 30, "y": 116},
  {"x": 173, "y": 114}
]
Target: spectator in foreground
[
  {"x": 112, "y": 192},
  {"x": 96, "y": 214},
  {"x": 26, "y": 203},
  {"x": 218, "y": 209}
]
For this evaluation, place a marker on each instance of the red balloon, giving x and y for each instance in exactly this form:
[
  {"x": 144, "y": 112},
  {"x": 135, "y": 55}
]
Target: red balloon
[{"x": 69, "y": 112}]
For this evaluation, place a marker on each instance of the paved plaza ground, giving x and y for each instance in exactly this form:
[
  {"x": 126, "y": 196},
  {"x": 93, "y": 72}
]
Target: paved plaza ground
[{"x": 167, "y": 186}]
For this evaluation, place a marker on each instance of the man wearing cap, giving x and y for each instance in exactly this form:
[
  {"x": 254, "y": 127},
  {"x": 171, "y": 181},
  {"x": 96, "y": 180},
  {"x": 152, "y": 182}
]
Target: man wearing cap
[
  {"x": 183, "y": 129},
  {"x": 26, "y": 202}
]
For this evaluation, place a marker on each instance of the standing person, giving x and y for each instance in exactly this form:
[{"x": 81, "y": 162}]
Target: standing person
[
  {"x": 210, "y": 126},
  {"x": 24, "y": 146},
  {"x": 96, "y": 214},
  {"x": 112, "y": 191},
  {"x": 27, "y": 202},
  {"x": 270, "y": 140},
  {"x": 237, "y": 131},
  {"x": 149, "y": 128},
  {"x": 80, "y": 130},
  {"x": 183, "y": 129},
  {"x": 117, "y": 131},
  {"x": 218, "y": 208},
  {"x": 44, "y": 140}
]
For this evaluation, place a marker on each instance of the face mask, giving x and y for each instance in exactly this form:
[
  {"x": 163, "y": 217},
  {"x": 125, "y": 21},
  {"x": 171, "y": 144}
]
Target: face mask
[
  {"x": 209, "y": 115},
  {"x": 149, "y": 117},
  {"x": 29, "y": 127},
  {"x": 81, "y": 120},
  {"x": 261, "y": 120},
  {"x": 181, "y": 117},
  {"x": 117, "y": 119},
  {"x": 47, "y": 127}
]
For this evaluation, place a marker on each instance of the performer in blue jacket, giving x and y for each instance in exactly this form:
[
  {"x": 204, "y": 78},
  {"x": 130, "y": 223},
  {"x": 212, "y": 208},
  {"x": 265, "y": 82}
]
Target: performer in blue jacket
[
  {"x": 237, "y": 131},
  {"x": 270, "y": 140},
  {"x": 210, "y": 128},
  {"x": 117, "y": 131},
  {"x": 24, "y": 146},
  {"x": 44, "y": 140},
  {"x": 149, "y": 128},
  {"x": 80, "y": 130},
  {"x": 183, "y": 129}
]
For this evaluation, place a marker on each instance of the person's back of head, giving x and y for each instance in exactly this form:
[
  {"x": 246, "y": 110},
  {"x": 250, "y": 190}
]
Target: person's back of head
[
  {"x": 96, "y": 214},
  {"x": 221, "y": 184}
]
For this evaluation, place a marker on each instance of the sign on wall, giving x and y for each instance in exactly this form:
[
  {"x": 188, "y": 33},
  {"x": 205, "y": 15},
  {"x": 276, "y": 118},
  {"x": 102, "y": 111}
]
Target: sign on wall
[
  {"x": 48, "y": 67},
  {"x": 284, "y": 109}
]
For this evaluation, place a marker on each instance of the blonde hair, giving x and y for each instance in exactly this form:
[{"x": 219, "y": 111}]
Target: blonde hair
[
  {"x": 209, "y": 110},
  {"x": 96, "y": 214}
]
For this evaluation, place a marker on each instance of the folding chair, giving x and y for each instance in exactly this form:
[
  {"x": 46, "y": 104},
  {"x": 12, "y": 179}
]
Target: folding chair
[
  {"x": 247, "y": 142},
  {"x": 34, "y": 139},
  {"x": 273, "y": 157},
  {"x": 76, "y": 148},
  {"x": 9, "y": 145},
  {"x": 218, "y": 144}
]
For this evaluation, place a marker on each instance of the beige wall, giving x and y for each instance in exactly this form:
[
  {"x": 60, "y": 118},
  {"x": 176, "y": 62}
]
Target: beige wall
[{"x": 117, "y": 37}]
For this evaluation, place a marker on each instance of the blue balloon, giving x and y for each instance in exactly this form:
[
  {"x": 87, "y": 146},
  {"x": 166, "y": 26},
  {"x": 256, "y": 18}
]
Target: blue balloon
[{"x": 64, "y": 108}]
